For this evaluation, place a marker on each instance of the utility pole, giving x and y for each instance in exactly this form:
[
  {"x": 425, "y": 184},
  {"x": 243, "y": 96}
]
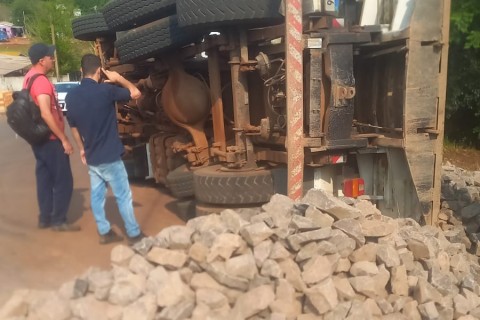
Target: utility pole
[
  {"x": 56, "y": 57},
  {"x": 24, "y": 25}
]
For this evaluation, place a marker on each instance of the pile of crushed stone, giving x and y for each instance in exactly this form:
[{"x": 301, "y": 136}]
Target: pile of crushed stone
[{"x": 318, "y": 258}]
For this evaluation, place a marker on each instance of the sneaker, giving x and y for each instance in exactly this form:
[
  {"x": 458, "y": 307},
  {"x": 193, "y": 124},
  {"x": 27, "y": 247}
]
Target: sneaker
[
  {"x": 133, "y": 240},
  {"x": 110, "y": 237},
  {"x": 43, "y": 225},
  {"x": 65, "y": 227}
]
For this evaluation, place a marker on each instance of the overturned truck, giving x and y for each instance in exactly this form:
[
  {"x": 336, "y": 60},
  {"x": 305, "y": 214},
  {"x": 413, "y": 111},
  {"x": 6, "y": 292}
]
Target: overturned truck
[{"x": 242, "y": 99}]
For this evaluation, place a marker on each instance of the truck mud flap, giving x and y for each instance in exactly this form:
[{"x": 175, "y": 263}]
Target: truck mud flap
[
  {"x": 121, "y": 15},
  {"x": 215, "y": 186},
  {"x": 153, "y": 39},
  {"x": 215, "y": 13},
  {"x": 90, "y": 27}
]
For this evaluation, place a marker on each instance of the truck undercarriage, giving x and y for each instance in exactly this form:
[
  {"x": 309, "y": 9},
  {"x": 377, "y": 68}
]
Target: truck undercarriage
[{"x": 216, "y": 122}]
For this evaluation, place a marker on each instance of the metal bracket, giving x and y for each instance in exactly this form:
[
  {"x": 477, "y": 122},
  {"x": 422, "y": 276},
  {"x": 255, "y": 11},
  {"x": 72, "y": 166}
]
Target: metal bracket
[{"x": 342, "y": 93}]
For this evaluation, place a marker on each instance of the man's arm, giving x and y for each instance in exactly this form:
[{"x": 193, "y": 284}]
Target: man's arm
[
  {"x": 115, "y": 77},
  {"x": 44, "y": 104},
  {"x": 79, "y": 143}
]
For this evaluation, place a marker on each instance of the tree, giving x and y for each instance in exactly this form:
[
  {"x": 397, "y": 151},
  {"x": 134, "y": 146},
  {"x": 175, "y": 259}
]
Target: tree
[
  {"x": 4, "y": 13},
  {"x": 58, "y": 13},
  {"x": 22, "y": 10},
  {"x": 463, "y": 93}
]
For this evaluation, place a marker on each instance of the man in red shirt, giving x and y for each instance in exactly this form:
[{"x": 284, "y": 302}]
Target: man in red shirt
[{"x": 53, "y": 173}]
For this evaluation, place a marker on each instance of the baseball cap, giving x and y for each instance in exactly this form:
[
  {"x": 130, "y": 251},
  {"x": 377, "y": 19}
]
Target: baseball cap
[{"x": 39, "y": 51}]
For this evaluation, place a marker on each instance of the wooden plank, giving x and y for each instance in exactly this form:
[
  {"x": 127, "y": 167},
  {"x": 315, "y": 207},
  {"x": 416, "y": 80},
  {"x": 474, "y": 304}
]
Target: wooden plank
[
  {"x": 425, "y": 100},
  {"x": 421, "y": 169},
  {"x": 421, "y": 111},
  {"x": 427, "y": 20},
  {"x": 423, "y": 64},
  {"x": 420, "y": 143},
  {"x": 442, "y": 91}
]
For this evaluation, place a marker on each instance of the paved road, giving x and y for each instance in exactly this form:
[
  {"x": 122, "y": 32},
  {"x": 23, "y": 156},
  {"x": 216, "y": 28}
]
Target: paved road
[{"x": 43, "y": 259}]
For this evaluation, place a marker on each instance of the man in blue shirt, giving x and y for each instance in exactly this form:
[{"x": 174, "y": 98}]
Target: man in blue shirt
[{"x": 93, "y": 121}]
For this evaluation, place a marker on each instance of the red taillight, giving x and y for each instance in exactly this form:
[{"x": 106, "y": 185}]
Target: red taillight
[{"x": 353, "y": 187}]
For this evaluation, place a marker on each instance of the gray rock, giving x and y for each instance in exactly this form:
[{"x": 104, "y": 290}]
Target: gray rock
[
  {"x": 252, "y": 302},
  {"x": 217, "y": 271},
  {"x": 144, "y": 308},
  {"x": 175, "y": 237},
  {"x": 319, "y": 218},
  {"x": 323, "y": 296},
  {"x": 262, "y": 251},
  {"x": 329, "y": 204},
  {"x": 121, "y": 255},
  {"x": 173, "y": 259},
  {"x": 242, "y": 266},
  {"x": 140, "y": 265},
  {"x": 297, "y": 240},
  {"x": 232, "y": 220},
  {"x": 126, "y": 289},
  {"x": 256, "y": 233},
  {"x": 180, "y": 311},
  {"x": 352, "y": 228},
  {"x": 316, "y": 269}
]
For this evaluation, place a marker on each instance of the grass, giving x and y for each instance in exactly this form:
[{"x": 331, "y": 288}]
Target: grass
[
  {"x": 461, "y": 155},
  {"x": 14, "y": 48}
]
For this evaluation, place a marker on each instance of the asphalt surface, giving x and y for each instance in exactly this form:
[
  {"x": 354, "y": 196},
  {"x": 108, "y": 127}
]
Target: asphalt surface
[{"x": 44, "y": 259}]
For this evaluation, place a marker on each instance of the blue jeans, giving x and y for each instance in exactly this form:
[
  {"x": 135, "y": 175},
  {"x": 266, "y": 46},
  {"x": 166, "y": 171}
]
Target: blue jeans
[
  {"x": 54, "y": 182},
  {"x": 116, "y": 176}
]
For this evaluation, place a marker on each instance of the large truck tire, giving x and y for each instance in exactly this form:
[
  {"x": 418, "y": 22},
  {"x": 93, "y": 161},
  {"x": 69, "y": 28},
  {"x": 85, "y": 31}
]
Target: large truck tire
[
  {"x": 215, "y": 13},
  {"x": 214, "y": 186},
  {"x": 90, "y": 27},
  {"x": 123, "y": 15},
  {"x": 180, "y": 182},
  {"x": 152, "y": 39}
]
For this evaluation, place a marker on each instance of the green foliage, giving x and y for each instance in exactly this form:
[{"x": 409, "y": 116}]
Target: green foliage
[
  {"x": 90, "y": 6},
  {"x": 4, "y": 12},
  {"x": 465, "y": 23},
  {"x": 37, "y": 16},
  {"x": 22, "y": 10},
  {"x": 463, "y": 92},
  {"x": 56, "y": 13}
]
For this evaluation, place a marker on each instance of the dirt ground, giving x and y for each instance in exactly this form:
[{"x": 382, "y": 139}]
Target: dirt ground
[
  {"x": 466, "y": 158},
  {"x": 15, "y": 46},
  {"x": 43, "y": 259}
]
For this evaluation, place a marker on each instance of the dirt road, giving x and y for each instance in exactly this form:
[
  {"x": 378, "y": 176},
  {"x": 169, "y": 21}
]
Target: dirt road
[{"x": 43, "y": 259}]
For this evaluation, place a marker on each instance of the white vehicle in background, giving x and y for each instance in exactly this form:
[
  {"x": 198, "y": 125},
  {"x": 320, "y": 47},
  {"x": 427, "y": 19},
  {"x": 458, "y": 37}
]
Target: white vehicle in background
[{"x": 62, "y": 88}]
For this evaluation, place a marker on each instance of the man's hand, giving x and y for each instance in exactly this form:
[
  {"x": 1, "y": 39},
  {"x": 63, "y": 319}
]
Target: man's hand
[
  {"x": 67, "y": 146},
  {"x": 115, "y": 77},
  {"x": 112, "y": 76},
  {"x": 82, "y": 156}
]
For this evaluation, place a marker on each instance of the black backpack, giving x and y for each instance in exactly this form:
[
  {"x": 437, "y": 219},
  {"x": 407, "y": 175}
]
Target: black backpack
[{"x": 24, "y": 116}]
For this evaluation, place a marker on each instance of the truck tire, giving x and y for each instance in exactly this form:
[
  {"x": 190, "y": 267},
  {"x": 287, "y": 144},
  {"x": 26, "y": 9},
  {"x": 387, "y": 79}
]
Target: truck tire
[
  {"x": 152, "y": 39},
  {"x": 123, "y": 15},
  {"x": 180, "y": 182},
  {"x": 90, "y": 27},
  {"x": 214, "y": 13},
  {"x": 214, "y": 186}
]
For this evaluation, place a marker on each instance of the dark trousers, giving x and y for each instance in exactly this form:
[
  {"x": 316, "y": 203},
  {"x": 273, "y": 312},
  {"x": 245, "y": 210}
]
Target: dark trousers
[{"x": 54, "y": 182}]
